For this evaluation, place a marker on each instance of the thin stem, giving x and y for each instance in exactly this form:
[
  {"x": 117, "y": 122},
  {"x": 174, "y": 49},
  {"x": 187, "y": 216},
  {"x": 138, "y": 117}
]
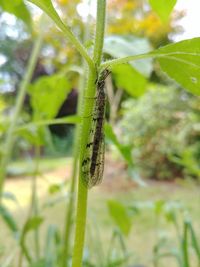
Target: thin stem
[
  {"x": 76, "y": 43},
  {"x": 76, "y": 144},
  {"x": 48, "y": 8},
  {"x": 69, "y": 119},
  {"x": 153, "y": 54},
  {"x": 125, "y": 60},
  {"x": 100, "y": 29},
  {"x": 185, "y": 246},
  {"x": 86, "y": 124},
  {"x": 33, "y": 210},
  {"x": 34, "y": 201},
  {"x": 82, "y": 189},
  {"x": 9, "y": 141},
  {"x": 70, "y": 208}
]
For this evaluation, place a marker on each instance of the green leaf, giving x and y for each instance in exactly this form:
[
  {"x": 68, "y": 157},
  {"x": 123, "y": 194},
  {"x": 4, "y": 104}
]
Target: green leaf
[
  {"x": 120, "y": 215},
  {"x": 163, "y": 8},
  {"x": 17, "y": 8},
  {"x": 129, "y": 79},
  {"x": 54, "y": 188},
  {"x": 158, "y": 206},
  {"x": 47, "y": 95},
  {"x": 8, "y": 219},
  {"x": 32, "y": 224},
  {"x": 123, "y": 46},
  {"x": 181, "y": 61},
  {"x": 123, "y": 149}
]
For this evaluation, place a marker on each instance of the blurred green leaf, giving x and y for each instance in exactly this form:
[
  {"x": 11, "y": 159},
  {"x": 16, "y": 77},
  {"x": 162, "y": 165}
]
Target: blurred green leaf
[
  {"x": 120, "y": 215},
  {"x": 39, "y": 263},
  {"x": 17, "y": 8},
  {"x": 33, "y": 134},
  {"x": 47, "y": 95},
  {"x": 54, "y": 188},
  {"x": 194, "y": 239},
  {"x": 123, "y": 46},
  {"x": 125, "y": 150},
  {"x": 32, "y": 224},
  {"x": 181, "y": 61},
  {"x": 158, "y": 206},
  {"x": 52, "y": 246},
  {"x": 129, "y": 79},
  {"x": 163, "y": 8},
  {"x": 8, "y": 219}
]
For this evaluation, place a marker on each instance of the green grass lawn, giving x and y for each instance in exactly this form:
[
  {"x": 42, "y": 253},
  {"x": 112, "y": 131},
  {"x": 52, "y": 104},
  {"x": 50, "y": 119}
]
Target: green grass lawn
[{"x": 146, "y": 227}]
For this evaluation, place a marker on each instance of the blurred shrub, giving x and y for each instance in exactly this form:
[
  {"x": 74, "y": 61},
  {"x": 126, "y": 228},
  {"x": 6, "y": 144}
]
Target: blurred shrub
[{"x": 163, "y": 129}]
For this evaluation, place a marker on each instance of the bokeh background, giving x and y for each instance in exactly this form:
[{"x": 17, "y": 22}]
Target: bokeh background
[{"x": 150, "y": 195}]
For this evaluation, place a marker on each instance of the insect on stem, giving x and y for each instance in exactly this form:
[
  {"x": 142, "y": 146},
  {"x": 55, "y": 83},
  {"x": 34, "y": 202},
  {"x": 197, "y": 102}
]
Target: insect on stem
[{"x": 93, "y": 162}]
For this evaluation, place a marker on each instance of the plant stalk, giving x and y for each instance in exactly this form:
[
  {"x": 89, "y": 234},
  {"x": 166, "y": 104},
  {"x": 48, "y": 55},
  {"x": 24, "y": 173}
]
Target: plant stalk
[
  {"x": 9, "y": 140},
  {"x": 86, "y": 124}
]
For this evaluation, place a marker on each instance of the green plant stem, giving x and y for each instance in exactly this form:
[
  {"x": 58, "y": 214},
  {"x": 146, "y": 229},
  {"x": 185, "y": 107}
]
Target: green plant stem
[
  {"x": 100, "y": 29},
  {"x": 69, "y": 119},
  {"x": 9, "y": 141},
  {"x": 81, "y": 211},
  {"x": 48, "y": 8},
  {"x": 185, "y": 246},
  {"x": 125, "y": 60},
  {"x": 71, "y": 205},
  {"x": 70, "y": 208},
  {"x": 86, "y": 123},
  {"x": 33, "y": 210},
  {"x": 34, "y": 201}
]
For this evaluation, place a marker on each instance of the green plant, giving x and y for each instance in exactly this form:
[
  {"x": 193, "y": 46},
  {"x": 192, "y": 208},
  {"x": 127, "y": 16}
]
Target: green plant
[
  {"x": 172, "y": 59},
  {"x": 164, "y": 136}
]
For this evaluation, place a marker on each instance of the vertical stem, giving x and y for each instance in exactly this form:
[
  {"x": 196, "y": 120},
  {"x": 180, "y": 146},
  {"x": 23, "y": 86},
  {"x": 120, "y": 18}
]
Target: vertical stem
[
  {"x": 9, "y": 140},
  {"x": 185, "y": 245},
  {"x": 86, "y": 123},
  {"x": 82, "y": 189},
  {"x": 33, "y": 210},
  {"x": 34, "y": 201},
  {"x": 69, "y": 213},
  {"x": 70, "y": 208},
  {"x": 100, "y": 29}
]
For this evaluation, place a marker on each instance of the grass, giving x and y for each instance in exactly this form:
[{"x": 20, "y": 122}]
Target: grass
[{"x": 145, "y": 226}]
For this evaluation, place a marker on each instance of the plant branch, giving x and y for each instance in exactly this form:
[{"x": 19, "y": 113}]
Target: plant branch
[
  {"x": 100, "y": 29},
  {"x": 48, "y": 8},
  {"x": 71, "y": 204},
  {"x": 9, "y": 140},
  {"x": 86, "y": 124}
]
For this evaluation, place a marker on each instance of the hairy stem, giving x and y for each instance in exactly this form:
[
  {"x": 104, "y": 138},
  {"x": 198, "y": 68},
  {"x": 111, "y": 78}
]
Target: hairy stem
[
  {"x": 86, "y": 124},
  {"x": 100, "y": 28},
  {"x": 71, "y": 205}
]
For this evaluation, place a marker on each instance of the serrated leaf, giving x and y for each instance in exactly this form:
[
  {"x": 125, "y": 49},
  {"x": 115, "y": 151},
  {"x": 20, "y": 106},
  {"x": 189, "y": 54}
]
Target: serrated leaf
[
  {"x": 181, "y": 61},
  {"x": 120, "y": 215},
  {"x": 163, "y": 8},
  {"x": 129, "y": 79},
  {"x": 123, "y": 46}
]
